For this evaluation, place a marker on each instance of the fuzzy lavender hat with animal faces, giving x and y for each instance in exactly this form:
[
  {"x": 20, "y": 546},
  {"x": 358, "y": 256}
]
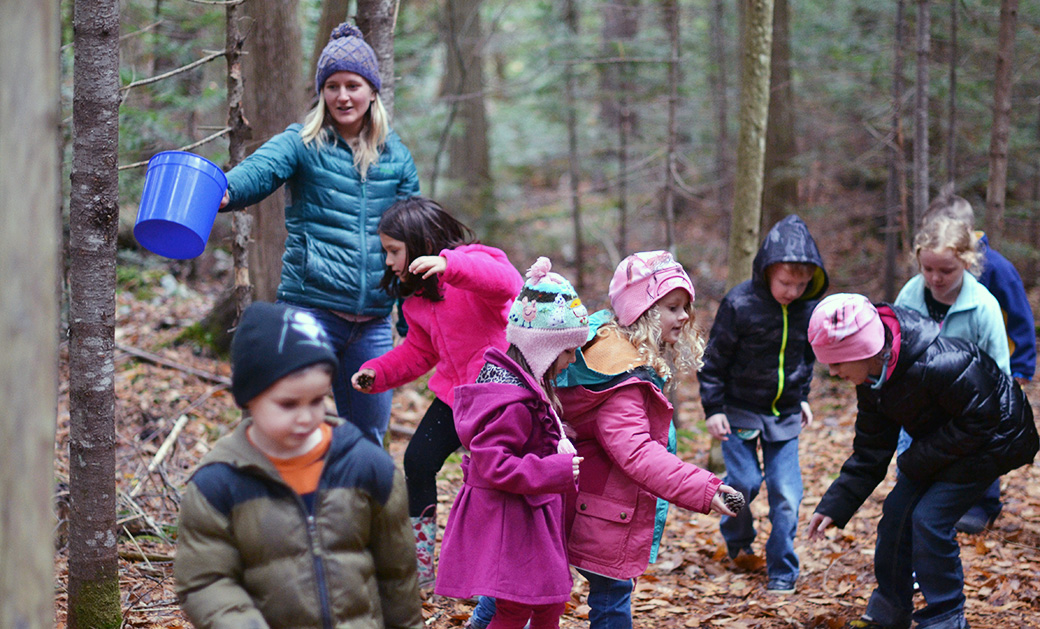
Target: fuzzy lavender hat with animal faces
[
  {"x": 271, "y": 342},
  {"x": 547, "y": 318}
]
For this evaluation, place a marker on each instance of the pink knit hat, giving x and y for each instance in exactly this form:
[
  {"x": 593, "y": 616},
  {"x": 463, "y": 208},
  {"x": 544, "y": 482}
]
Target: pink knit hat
[
  {"x": 845, "y": 327},
  {"x": 643, "y": 278}
]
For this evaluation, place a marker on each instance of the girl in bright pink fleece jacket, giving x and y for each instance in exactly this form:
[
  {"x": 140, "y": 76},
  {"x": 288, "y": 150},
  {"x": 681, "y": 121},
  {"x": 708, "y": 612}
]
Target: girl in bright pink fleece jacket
[
  {"x": 613, "y": 397},
  {"x": 458, "y": 294}
]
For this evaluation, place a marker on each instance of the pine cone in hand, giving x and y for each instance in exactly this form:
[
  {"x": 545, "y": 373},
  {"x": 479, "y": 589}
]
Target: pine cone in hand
[
  {"x": 365, "y": 381},
  {"x": 734, "y": 502}
]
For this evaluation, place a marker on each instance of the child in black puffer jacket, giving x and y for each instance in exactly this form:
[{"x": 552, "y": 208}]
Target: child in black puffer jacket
[{"x": 970, "y": 423}]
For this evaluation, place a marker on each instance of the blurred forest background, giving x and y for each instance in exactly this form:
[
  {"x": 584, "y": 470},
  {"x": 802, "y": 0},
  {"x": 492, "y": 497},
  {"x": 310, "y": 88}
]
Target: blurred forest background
[{"x": 481, "y": 97}]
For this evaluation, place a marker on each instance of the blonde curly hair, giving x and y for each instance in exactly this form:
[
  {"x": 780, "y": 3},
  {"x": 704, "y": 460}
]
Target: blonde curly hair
[{"x": 682, "y": 358}]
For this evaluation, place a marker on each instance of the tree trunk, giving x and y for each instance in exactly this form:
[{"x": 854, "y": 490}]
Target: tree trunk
[
  {"x": 996, "y": 190},
  {"x": 377, "y": 19},
  {"x": 620, "y": 25},
  {"x": 624, "y": 133},
  {"x": 951, "y": 122},
  {"x": 333, "y": 13},
  {"x": 30, "y": 195},
  {"x": 1034, "y": 217},
  {"x": 924, "y": 46},
  {"x": 274, "y": 98},
  {"x": 895, "y": 189},
  {"x": 570, "y": 18},
  {"x": 241, "y": 221},
  {"x": 780, "y": 185},
  {"x": 754, "y": 109},
  {"x": 719, "y": 87},
  {"x": 469, "y": 155},
  {"x": 93, "y": 599},
  {"x": 671, "y": 18}
]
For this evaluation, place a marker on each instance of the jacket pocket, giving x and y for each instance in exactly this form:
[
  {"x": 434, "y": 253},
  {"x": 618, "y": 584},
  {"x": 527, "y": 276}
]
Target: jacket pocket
[{"x": 601, "y": 528}]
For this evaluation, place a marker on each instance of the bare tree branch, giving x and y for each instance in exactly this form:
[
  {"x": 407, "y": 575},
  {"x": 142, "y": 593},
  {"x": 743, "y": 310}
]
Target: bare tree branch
[
  {"x": 208, "y": 138},
  {"x": 166, "y": 75}
]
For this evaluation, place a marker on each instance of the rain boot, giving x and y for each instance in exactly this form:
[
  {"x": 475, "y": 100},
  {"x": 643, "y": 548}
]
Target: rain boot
[{"x": 424, "y": 528}]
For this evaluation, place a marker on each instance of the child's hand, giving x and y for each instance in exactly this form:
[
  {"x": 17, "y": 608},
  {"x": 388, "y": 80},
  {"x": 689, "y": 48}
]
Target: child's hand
[
  {"x": 225, "y": 200},
  {"x": 718, "y": 427},
  {"x": 807, "y": 415},
  {"x": 817, "y": 524},
  {"x": 575, "y": 464},
  {"x": 718, "y": 502},
  {"x": 363, "y": 380},
  {"x": 428, "y": 265}
]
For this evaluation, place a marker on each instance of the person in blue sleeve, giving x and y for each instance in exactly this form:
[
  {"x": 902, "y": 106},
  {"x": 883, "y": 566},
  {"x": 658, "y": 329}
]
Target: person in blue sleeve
[{"x": 999, "y": 276}]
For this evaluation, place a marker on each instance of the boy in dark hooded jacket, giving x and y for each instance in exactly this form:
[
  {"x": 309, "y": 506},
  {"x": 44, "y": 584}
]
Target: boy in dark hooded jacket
[{"x": 755, "y": 389}]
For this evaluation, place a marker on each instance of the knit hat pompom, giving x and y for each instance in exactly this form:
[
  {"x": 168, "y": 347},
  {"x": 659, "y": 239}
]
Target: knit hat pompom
[
  {"x": 547, "y": 318},
  {"x": 271, "y": 342},
  {"x": 347, "y": 51},
  {"x": 346, "y": 29}
]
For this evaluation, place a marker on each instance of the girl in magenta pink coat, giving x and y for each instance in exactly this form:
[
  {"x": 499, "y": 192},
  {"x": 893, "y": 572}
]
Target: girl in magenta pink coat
[
  {"x": 612, "y": 396},
  {"x": 505, "y": 533},
  {"x": 458, "y": 294}
]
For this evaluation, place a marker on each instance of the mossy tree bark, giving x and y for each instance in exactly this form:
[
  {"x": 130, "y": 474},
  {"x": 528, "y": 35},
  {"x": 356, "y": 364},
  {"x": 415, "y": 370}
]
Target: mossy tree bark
[
  {"x": 93, "y": 600},
  {"x": 754, "y": 109}
]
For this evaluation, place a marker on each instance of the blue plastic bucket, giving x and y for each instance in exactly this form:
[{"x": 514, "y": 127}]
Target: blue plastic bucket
[{"x": 182, "y": 193}]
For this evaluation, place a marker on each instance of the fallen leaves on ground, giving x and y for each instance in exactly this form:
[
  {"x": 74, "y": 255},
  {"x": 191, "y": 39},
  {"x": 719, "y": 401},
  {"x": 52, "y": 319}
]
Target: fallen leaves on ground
[{"x": 693, "y": 584}]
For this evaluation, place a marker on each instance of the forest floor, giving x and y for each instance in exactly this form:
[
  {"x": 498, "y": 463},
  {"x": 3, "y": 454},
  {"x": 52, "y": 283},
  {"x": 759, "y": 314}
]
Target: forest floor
[{"x": 693, "y": 584}]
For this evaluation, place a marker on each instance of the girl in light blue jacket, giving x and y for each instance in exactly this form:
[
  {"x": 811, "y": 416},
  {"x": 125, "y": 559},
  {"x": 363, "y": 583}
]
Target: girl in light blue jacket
[
  {"x": 946, "y": 289},
  {"x": 342, "y": 168}
]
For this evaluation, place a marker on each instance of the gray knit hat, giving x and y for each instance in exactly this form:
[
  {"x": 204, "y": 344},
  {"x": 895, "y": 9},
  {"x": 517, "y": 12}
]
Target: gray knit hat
[{"x": 347, "y": 52}]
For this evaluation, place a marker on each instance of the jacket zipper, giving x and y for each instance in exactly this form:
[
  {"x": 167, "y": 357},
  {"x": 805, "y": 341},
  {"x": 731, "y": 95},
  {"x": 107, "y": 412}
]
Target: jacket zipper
[
  {"x": 780, "y": 366},
  {"x": 319, "y": 570},
  {"x": 364, "y": 244}
]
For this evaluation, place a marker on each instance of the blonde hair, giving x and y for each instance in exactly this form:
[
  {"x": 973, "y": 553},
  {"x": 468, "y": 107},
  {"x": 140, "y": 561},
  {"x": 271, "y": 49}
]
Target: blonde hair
[
  {"x": 684, "y": 357},
  {"x": 943, "y": 232},
  {"x": 949, "y": 205},
  {"x": 317, "y": 129}
]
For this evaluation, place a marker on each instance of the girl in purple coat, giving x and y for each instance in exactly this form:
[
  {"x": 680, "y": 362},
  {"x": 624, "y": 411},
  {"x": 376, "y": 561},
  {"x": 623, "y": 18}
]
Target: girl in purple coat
[
  {"x": 614, "y": 398},
  {"x": 505, "y": 533},
  {"x": 458, "y": 294}
]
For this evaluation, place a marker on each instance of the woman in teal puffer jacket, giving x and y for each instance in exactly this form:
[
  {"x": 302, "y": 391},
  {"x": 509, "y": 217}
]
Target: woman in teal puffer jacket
[{"x": 342, "y": 168}]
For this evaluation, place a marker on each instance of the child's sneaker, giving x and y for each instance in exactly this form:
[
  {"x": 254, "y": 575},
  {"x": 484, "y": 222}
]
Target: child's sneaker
[{"x": 780, "y": 586}]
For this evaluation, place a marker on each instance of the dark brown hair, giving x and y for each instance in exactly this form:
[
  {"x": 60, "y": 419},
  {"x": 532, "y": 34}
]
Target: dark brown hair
[{"x": 426, "y": 229}]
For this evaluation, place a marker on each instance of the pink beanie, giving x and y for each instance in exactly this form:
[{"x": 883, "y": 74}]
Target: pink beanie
[
  {"x": 643, "y": 278},
  {"x": 845, "y": 327}
]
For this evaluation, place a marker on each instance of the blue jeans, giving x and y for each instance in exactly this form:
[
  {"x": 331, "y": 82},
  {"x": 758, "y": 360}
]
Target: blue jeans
[
  {"x": 355, "y": 343},
  {"x": 610, "y": 601},
  {"x": 783, "y": 478},
  {"x": 483, "y": 613},
  {"x": 916, "y": 535},
  {"x": 988, "y": 507}
]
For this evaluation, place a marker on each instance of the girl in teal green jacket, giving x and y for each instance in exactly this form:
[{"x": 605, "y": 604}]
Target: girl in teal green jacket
[{"x": 343, "y": 167}]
